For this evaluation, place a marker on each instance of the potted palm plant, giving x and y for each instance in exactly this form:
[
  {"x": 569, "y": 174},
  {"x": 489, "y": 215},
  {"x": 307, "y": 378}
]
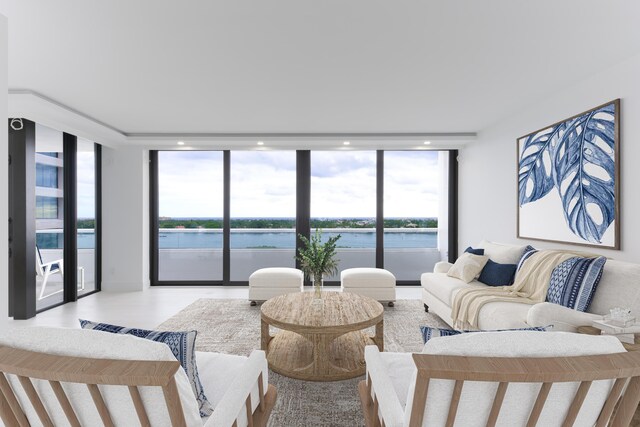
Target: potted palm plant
[{"x": 317, "y": 259}]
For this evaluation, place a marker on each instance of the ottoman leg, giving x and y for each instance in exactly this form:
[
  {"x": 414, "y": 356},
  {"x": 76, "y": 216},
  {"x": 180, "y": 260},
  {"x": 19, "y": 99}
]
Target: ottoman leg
[
  {"x": 426, "y": 308},
  {"x": 391, "y": 304},
  {"x": 253, "y": 303}
]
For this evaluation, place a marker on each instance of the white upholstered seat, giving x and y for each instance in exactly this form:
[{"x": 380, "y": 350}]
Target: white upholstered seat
[
  {"x": 227, "y": 380},
  {"x": 392, "y": 378},
  {"x": 376, "y": 283},
  {"x": 267, "y": 283}
]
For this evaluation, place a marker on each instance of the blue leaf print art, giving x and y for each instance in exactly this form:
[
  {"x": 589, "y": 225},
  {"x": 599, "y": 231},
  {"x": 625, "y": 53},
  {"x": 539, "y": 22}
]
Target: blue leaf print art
[{"x": 577, "y": 158}]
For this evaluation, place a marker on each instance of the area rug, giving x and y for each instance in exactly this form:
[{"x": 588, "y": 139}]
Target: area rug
[{"x": 233, "y": 327}]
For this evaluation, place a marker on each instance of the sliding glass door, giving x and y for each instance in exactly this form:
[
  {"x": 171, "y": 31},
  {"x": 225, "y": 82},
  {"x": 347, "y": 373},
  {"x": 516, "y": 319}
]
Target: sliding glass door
[
  {"x": 415, "y": 207},
  {"x": 343, "y": 201},
  {"x": 49, "y": 216},
  {"x": 54, "y": 218},
  {"x": 263, "y": 211},
  {"x": 190, "y": 210},
  {"x": 87, "y": 238}
]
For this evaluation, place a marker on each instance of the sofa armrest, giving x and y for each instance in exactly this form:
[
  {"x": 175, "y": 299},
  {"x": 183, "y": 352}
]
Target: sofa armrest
[
  {"x": 389, "y": 406},
  {"x": 562, "y": 318},
  {"x": 442, "y": 267},
  {"x": 232, "y": 405}
]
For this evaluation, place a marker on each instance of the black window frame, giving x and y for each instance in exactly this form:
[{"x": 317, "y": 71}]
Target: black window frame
[
  {"x": 303, "y": 216},
  {"x": 22, "y": 221}
]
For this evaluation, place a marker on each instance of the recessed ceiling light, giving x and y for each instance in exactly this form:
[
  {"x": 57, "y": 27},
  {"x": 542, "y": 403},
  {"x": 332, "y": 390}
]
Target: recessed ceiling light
[
  {"x": 346, "y": 143},
  {"x": 260, "y": 143},
  {"x": 427, "y": 143},
  {"x": 180, "y": 142}
]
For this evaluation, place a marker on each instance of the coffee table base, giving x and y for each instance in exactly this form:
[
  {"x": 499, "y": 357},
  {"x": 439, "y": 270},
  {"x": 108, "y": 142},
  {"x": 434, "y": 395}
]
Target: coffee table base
[{"x": 318, "y": 357}]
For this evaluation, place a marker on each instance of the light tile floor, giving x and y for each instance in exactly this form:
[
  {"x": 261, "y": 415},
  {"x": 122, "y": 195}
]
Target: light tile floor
[{"x": 146, "y": 309}]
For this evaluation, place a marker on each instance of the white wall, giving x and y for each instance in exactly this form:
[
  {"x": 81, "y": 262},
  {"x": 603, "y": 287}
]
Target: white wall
[
  {"x": 488, "y": 181},
  {"x": 4, "y": 177},
  {"x": 125, "y": 213}
]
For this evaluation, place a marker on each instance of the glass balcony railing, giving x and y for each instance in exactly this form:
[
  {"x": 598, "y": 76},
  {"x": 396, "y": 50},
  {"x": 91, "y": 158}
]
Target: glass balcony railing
[{"x": 191, "y": 254}]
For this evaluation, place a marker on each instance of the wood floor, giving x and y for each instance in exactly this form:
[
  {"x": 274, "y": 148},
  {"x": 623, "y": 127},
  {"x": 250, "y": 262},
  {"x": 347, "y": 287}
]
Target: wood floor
[{"x": 148, "y": 308}]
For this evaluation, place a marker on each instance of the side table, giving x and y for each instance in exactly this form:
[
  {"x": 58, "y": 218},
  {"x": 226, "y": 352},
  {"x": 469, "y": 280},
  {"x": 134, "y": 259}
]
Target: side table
[{"x": 590, "y": 330}]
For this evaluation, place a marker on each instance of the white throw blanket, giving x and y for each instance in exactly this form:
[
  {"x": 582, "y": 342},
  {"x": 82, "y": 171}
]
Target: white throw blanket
[{"x": 530, "y": 287}]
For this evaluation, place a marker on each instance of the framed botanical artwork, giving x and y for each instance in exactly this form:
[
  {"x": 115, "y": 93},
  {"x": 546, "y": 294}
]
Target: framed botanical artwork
[{"x": 569, "y": 180}]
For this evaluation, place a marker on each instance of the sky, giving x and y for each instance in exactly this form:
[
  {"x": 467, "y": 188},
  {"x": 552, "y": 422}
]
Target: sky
[
  {"x": 263, "y": 184},
  {"x": 86, "y": 178}
]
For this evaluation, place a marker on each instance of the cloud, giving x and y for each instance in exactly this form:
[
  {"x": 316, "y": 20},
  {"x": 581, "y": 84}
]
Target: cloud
[{"x": 263, "y": 184}]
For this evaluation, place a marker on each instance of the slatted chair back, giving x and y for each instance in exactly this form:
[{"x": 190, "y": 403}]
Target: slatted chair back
[
  {"x": 24, "y": 374},
  {"x": 596, "y": 390}
]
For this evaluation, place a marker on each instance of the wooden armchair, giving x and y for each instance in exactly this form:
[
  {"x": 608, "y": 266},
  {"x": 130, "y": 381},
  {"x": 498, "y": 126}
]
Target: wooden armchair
[
  {"x": 447, "y": 390},
  {"x": 38, "y": 388}
]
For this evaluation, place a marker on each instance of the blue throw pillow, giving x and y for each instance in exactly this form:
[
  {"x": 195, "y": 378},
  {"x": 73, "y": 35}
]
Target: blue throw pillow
[
  {"x": 574, "y": 281},
  {"x": 528, "y": 251},
  {"x": 182, "y": 345},
  {"x": 429, "y": 332},
  {"x": 494, "y": 274},
  {"x": 473, "y": 251}
]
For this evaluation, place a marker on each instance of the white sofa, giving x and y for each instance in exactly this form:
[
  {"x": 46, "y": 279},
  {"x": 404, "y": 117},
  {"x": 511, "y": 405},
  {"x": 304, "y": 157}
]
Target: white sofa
[
  {"x": 227, "y": 380},
  {"x": 618, "y": 287},
  {"x": 398, "y": 394}
]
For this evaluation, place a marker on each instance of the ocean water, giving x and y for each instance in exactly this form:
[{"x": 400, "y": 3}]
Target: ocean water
[
  {"x": 286, "y": 239},
  {"x": 281, "y": 239}
]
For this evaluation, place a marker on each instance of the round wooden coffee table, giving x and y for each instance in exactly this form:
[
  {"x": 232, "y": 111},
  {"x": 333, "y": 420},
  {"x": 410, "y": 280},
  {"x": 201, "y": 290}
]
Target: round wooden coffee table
[{"x": 320, "y": 342}]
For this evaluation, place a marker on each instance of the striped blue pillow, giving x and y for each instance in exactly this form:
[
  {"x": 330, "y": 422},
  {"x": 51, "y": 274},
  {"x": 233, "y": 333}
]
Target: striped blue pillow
[
  {"x": 574, "y": 281},
  {"x": 528, "y": 251},
  {"x": 182, "y": 345},
  {"x": 429, "y": 332}
]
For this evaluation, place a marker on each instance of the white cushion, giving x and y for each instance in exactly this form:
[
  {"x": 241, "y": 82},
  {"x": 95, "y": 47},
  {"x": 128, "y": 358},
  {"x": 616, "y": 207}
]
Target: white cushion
[
  {"x": 476, "y": 399},
  {"x": 523, "y": 344},
  {"x": 504, "y": 315},
  {"x": 502, "y": 253},
  {"x": 400, "y": 368},
  {"x": 467, "y": 267},
  {"x": 367, "y": 278},
  {"x": 442, "y": 267},
  {"x": 562, "y": 318},
  {"x": 217, "y": 371},
  {"x": 619, "y": 286},
  {"x": 277, "y": 277},
  {"x": 442, "y": 286},
  {"x": 96, "y": 344}
]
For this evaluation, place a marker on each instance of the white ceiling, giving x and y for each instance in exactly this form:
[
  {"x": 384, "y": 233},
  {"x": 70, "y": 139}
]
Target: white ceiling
[{"x": 278, "y": 66}]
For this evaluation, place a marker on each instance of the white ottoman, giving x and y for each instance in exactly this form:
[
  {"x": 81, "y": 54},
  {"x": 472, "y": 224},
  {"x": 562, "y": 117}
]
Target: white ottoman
[
  {"x": 376, "y": 283},
  {"x": 270, "y": 282}
]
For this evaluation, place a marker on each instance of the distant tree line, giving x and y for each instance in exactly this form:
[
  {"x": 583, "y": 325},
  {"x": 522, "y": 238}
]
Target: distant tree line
[
  {"x": 267, "y": 223},
  {"x": 84, "y": 224}
]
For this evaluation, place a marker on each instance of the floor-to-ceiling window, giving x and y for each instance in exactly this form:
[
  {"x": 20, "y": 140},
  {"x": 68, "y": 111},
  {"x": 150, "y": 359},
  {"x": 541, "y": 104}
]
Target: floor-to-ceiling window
[
  {"x": 415, "y": 202},
  {"x": 343, "y": 201},
  {"x": 190, "y": 211},
  {"x": 86, "y": 189},
  {"x": 262, "y": 210},
  {"x": 217, "y": 216},
  {"x": 49, "y": 216},
  {"x": 54, "y": 219}
]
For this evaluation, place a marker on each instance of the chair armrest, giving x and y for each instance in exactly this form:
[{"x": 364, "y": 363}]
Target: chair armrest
[
  {"x": 562, "y": 318},
  {"x": 58, "y": 261},
  {"x": 46, "y": 266},
  {"x": 389, "y": 405},
  {"x": 442, "y": 267},
  {"x": 232, "y": 405}
]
